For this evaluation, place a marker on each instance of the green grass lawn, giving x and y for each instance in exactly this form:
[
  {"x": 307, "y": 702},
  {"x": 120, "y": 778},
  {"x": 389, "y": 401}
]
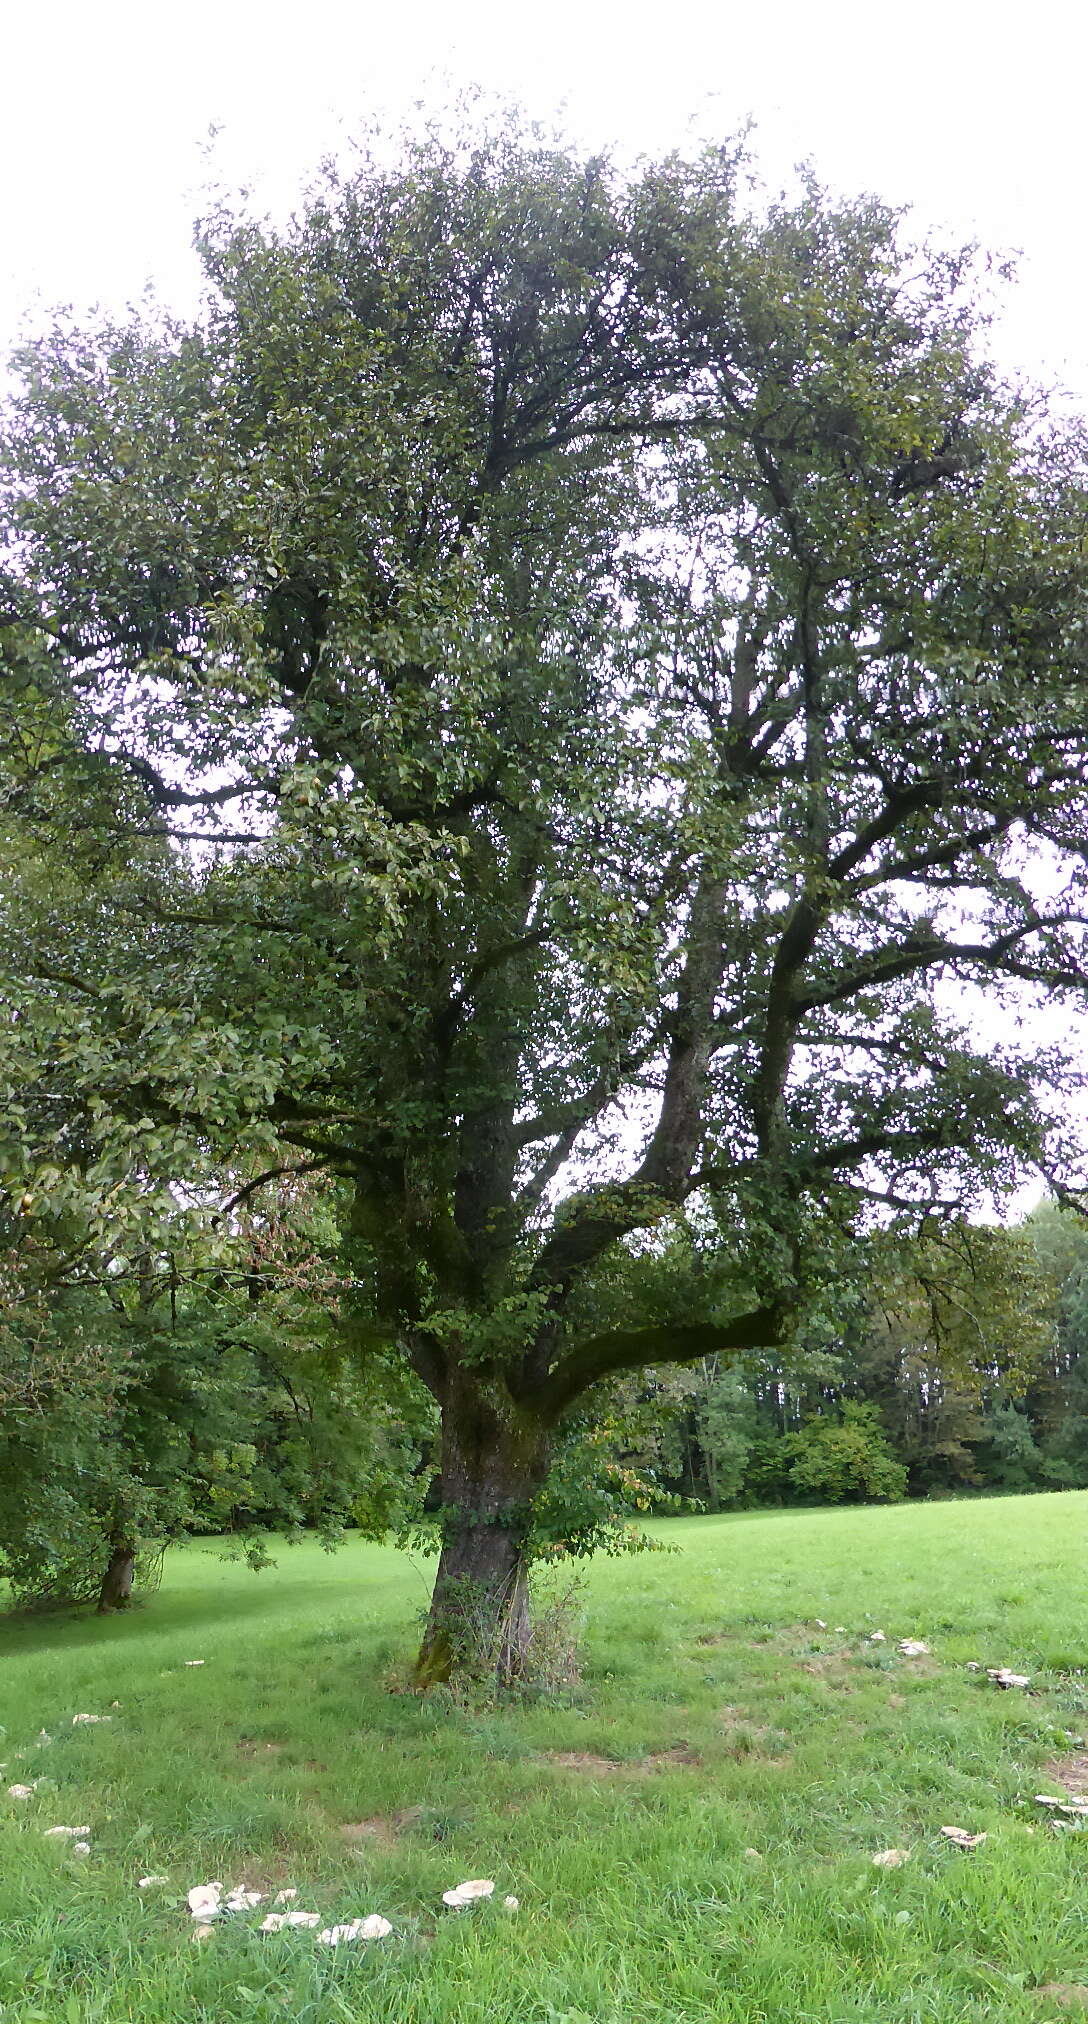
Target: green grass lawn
[{"x": 705, "y": 1851}]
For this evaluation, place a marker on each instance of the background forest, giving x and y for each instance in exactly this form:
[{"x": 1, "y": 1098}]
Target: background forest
[{"x": 138, "y": 1407}]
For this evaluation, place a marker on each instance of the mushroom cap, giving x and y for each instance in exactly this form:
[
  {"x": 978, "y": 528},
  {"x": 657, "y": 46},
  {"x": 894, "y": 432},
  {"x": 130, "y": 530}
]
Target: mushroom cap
[
  {"x": 204, "y": 1900},
  {"x": 466, "y": 1893}
]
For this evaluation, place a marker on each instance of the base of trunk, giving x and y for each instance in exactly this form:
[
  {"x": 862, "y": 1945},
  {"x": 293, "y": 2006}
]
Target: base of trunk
[
  {"x": 494, "y": 1461},
  {"x": 116, "y": 1589},
  {"x": 479, "y": 1616}
]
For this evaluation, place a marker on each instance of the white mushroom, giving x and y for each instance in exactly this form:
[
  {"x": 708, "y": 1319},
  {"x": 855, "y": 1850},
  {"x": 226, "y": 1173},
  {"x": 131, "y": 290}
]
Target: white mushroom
[
  {"x": 960, "y": 1838},
  {"x": 1002, "y": 1677},
  {"x": 467, "y": 1893},
  {"x": 239, "y": 1900},
  {"x": 204, "y": 1900},
  {"x": 332, "y": 1935}
]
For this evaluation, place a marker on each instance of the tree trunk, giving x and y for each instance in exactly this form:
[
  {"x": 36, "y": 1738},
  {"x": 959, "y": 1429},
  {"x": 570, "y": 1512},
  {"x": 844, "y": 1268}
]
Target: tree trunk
[
  {"x": 116, "y": 1589},
  {"x": 493, "y": 1463}
]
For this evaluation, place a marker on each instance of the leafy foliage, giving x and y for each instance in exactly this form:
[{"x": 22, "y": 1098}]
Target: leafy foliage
[
  {"x": 553, "y": 675},
  {"x": 134, "y": 1411},
  {"x": 847, "y": 1462},
  {"x": 959, "y": 1345}
]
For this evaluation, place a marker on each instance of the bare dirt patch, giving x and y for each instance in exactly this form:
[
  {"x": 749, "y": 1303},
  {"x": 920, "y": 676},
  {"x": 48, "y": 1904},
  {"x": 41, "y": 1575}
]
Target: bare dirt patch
[
  {"x": 833, "y": 1668},
  {"x": 268, "y": 1874},
  {"x": 736, "y": 1722},
  {"x": 585, "y": 1760},
  {"x": 1071, "y": 1994},
  {"x": 746, "y": 1741},
  {"x": 384, "y": 1830},
  {"x": 594, "y": 1766},
  {"x": 1072, "y": 1774}
]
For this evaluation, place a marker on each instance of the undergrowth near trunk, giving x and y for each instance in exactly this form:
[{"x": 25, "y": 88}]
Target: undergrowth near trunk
[{"x": 476, "y": 1654}]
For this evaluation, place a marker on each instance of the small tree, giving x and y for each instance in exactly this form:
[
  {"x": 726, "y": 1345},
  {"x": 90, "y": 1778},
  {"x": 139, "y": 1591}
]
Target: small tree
[
  {"x": 137, "y": 1406},
  {"x": 845, "y": 1460},
  {"x": 601, "y": 652}
]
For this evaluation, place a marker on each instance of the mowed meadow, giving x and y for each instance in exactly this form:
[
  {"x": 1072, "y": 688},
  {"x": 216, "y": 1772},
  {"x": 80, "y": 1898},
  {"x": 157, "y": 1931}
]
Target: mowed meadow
[{"x": 689, "y": 1830}]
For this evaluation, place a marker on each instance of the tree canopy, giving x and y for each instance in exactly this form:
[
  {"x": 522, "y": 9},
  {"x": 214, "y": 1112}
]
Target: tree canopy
[{"x": 528, "y": 703}]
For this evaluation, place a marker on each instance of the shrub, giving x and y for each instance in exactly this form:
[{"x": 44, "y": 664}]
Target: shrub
[{"x": 846, "y": 1461}]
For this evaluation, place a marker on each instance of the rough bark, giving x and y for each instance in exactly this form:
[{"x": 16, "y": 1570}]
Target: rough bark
[
  {"x": 116, "y": 1589},
  {"x": 494, "y": 1459}
]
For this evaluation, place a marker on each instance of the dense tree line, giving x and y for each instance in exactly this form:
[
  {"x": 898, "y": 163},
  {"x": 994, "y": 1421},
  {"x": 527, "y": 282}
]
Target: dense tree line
[
  {"x": 962, "y": 1367},
  {"x": 139, "y": 1408}
]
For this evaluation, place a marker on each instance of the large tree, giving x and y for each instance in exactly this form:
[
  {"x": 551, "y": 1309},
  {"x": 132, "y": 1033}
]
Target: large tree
[{"x": 606, "y": 654}]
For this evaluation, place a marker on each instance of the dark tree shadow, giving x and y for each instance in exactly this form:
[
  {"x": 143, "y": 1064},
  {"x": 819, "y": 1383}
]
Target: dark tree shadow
[{"x": 184, "y": 1604}]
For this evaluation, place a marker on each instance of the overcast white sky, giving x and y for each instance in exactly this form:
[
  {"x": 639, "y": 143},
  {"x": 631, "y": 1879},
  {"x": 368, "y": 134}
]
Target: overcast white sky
[{"x": 974, "y": 113}]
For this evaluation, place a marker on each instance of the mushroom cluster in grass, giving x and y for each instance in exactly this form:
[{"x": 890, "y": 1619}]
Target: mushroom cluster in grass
[
  {"x": 960, "y": 1838},
  {"x": 1074, "y": 1809},
  {"x": 372, "y": 1928}
]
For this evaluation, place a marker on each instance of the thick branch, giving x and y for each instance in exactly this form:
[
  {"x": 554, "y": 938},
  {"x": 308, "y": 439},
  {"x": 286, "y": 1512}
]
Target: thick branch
[
  {"x": 262, "y": 1180},
  {"x": 922, "y": 951},
  {"x": 599, "y": 1356},
  {"x": 165, "y": 796}
]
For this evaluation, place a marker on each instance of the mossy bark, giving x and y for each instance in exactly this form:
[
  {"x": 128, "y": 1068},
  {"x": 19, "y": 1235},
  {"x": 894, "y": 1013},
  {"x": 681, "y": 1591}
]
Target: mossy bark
[{"x": 493, "y": 1464}]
